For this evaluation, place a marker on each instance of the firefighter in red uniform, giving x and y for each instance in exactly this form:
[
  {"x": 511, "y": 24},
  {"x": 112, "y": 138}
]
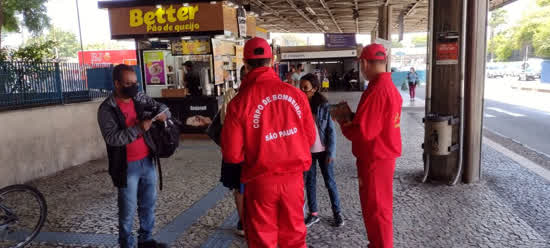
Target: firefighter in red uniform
[
  {"x": 375, "y": 134},
  {"x": 270, "y": 127}
]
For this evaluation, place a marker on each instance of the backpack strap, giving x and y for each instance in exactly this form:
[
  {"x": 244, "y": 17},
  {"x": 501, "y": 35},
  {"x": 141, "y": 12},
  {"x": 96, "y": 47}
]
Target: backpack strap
[{"x": 157, "y": 161}]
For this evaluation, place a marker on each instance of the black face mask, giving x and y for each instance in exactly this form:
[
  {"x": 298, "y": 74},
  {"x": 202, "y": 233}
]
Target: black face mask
[{"x": 130, "y": 91}]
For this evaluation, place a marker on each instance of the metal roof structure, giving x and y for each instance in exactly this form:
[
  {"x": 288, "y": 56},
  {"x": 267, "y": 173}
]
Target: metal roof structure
[
  {"x": 323, "y": 16},
  {"x": 341, "y": 16}
]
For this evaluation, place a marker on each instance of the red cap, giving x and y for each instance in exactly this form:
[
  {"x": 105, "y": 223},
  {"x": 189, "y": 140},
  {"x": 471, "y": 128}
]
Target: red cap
[
  {"x": 257, "y": 48},
  {"x": 369, "y": 52}
]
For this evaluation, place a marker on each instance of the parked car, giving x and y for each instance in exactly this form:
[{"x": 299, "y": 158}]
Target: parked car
[
  {"x": 529, "y": 75},
  {"x": 494, "y": 71}
]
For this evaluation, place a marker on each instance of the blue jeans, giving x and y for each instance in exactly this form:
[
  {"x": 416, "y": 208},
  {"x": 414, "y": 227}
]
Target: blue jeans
[
  {"x": 328, "y": 176},
  {"x": 141, "y": 193}
]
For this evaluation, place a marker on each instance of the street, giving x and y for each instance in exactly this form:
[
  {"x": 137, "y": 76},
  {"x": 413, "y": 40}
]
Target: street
[{"x": 519, "y": 115}]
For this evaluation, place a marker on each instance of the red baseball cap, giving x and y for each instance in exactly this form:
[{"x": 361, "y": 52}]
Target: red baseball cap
[
  {"x": 257, "y": 48},
  {"x": 369, "y": 52}
]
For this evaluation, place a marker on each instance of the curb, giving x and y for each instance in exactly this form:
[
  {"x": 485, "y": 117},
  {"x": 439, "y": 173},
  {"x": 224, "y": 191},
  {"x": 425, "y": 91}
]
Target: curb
[{"x": 530, "y": 89}]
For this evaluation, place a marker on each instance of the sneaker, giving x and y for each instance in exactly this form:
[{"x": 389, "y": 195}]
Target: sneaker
[
  {"x": 240, "y": 231},
  {"x": 152, "y": 244},
  {"x": 338, "y": 220},
  {"x": 312, "y": 219}
]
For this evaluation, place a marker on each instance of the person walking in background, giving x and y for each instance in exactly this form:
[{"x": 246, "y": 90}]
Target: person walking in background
[
  {"x": 322, "y": 152},
  {"x": 289, "y": 75},
  {"x": 298, "y": 74},
  {"x": 129, "y": 148},
  {"x": 375, "y": 135},
  {"x": 412, "y": 77},
  {"x": 192, "y": 79},
  {"x": 269, "y": 129}
]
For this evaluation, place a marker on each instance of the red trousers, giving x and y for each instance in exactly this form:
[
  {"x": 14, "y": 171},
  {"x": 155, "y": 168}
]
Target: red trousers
[
  {"x": 274, "y": 212},
  {"x": 376, "y": 193}
]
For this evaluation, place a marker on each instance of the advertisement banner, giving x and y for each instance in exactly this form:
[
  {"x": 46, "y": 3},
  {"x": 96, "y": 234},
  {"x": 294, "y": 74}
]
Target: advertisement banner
[
  {"x": 154, "y": 67},
  {"x": 340, "y": 40},
  {"x": 191, "y": 47},
  {"x": 198, "y": 113}
]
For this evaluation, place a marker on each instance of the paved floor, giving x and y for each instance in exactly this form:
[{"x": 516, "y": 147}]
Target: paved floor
[{"x": 509, "y": 208}]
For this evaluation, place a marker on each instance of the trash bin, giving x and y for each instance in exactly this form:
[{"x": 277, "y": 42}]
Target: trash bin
[{"x": 439, "y": 135}]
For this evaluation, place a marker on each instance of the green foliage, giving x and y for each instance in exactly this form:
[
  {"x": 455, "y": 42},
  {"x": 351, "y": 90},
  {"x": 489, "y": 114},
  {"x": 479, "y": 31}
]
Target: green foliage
[
  {"x": 502, "y": 46},
  {"x": 498, "y": 18},
  {"x": 35, "y": 52},
  {"x": 34, "y": 15},
  {"x": 66, "y": 44},
  {"x": 532, "y": 30},
  {"x": 4, "y": 55},
  {"x": 420, "y": 41},
  {"x": 541, "y": 40}
]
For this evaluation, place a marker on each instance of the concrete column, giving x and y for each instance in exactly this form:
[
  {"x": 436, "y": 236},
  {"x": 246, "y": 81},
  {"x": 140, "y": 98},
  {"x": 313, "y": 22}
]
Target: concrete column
[
  {"x": 385, "y": 23},
  {"x": 445, "y": 82},
  {"x": 474, "y": 88}
]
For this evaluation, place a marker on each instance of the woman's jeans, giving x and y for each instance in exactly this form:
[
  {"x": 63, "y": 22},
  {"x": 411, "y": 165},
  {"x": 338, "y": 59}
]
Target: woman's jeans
[
  {"x": 141, "y": 193},
  {"x": 328, "y": 175},
  {"x": 412, "y": 90}
]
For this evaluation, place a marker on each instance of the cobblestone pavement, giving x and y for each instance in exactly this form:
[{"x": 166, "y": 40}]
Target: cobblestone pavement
[{"x": 509, "y": 208}]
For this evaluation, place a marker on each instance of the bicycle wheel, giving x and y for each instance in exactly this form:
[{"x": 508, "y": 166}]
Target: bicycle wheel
[{"x": 23, "y": 211}]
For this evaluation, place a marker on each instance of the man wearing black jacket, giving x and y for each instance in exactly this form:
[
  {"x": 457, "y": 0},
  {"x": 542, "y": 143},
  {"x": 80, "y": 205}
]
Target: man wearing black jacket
[{"x": 124, "y": 119}]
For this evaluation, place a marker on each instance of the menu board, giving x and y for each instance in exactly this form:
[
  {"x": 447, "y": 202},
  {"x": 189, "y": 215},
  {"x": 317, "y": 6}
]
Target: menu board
[
  {"x": 191, "y": 47},
  {"x": 154, "y": 67}
]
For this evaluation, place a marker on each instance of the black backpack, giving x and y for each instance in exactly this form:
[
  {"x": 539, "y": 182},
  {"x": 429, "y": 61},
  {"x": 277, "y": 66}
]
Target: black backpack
[{"x": 166, "y": 136}]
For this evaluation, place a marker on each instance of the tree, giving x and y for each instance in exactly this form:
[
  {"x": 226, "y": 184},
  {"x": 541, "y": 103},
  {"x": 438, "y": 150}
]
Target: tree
[
  {"x": 33, "y": 12},
  {"x": 420, "y": 41},
  {"x": 543, "y": 3},
  {"x": 65, "y": 43},
  {"x": 498, "y": 18},
  {"x": 36, "y": 52},
  {"x": 534, "y": 29},
  {"x": 502, "y": 46}
]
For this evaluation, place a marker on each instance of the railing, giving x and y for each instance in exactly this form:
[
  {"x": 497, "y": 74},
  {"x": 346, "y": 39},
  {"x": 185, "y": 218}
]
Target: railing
[{"x": 24, "y": 85}]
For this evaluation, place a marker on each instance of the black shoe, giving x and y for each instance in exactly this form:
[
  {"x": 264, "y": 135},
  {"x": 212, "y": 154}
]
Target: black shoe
[
  {"x": 240, "y": 231},
  {"x": 338, "y": 220},
  {"x": 152, "y": 244},
  {"x": 312, "y": 219}
]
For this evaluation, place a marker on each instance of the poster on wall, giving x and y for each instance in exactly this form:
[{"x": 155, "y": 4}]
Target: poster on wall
[
  {"x": 447, "y": 53},
  {"x": 154, "y": 67}
]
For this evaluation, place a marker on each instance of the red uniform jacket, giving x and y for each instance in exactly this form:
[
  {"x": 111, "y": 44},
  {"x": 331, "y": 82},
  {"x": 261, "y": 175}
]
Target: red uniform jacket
[
  {"x": 375, "y": 131},
  {"x": 269, "y": 126}
]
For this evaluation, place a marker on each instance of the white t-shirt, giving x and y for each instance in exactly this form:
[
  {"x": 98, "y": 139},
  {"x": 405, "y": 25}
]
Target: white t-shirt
[{"x": 318, "y": 145}]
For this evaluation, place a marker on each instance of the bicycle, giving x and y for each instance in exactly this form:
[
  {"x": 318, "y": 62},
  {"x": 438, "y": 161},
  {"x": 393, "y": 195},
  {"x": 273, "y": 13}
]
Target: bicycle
[{"x": 20, "y": 222}]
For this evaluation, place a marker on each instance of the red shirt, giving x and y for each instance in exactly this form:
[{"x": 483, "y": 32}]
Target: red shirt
[
  {"x": 137, "y": 150},
  {"x": 269, "y": 126},
  {"x": 375, "y": 131}
]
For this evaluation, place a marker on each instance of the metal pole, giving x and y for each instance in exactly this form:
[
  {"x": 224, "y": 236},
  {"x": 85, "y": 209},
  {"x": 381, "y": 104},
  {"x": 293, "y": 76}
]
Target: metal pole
[{"x": 80, "y": 31}]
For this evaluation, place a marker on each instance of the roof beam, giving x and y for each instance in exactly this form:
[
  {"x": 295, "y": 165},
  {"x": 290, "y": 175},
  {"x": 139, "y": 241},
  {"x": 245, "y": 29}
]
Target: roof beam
[
  {"x": 412, "y": 8},
  {"x": 275, "y": 12},
  {"x": 301, "y": 13},
  {"x": 330, "y": 14},
  {"x": 356, "y": 16}
]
